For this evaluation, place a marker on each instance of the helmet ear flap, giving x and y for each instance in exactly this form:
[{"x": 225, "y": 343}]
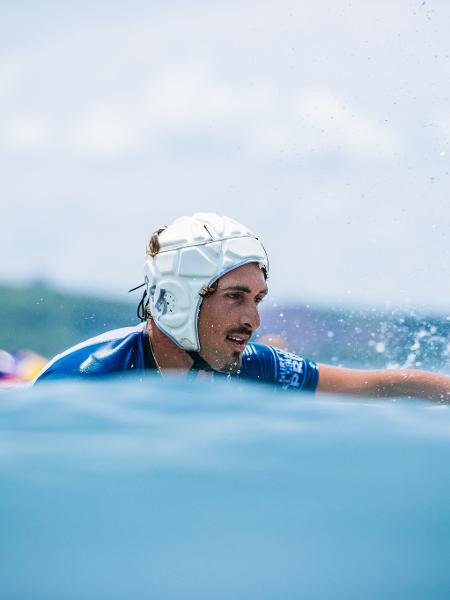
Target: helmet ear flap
[
  {"x": 153, "y": 243},
  {"x": 165, "y": 304},
  {"x": 169, "y": 304}
]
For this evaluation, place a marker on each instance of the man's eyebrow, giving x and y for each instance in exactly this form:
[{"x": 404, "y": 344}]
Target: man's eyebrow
[{"x": 243, "y": 288}]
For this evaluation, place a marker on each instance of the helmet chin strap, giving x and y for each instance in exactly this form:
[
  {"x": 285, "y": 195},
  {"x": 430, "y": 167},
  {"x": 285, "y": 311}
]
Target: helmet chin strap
[{"x": 199, "y": 363}]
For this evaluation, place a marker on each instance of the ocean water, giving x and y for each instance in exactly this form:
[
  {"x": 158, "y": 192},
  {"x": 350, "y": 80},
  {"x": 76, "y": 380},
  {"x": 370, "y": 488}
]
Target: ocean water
[{"x": 175, "y": 489}]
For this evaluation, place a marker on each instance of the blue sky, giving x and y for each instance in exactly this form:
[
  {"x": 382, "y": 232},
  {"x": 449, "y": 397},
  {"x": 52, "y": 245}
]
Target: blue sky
[{"x": 324, "y": 127}]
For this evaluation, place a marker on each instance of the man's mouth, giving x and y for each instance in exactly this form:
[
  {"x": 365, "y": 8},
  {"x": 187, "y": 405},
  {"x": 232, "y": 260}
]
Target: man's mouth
[{"x": 238, "y": 341}]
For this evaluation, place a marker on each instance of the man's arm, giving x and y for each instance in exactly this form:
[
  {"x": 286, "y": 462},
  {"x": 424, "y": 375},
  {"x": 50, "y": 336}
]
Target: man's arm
[{"x": 384, "y": 383}]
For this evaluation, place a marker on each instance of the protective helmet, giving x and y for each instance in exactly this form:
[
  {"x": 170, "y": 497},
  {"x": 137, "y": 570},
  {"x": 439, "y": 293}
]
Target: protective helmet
[{"x": 193, "y": 253}]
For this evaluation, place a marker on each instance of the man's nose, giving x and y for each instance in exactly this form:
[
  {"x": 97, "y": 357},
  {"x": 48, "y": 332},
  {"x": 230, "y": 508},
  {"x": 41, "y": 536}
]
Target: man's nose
[{"x": 250, "y": 317}]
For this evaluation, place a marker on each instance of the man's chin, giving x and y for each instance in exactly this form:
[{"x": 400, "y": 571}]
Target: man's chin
[{"x": 230, "y": 365}]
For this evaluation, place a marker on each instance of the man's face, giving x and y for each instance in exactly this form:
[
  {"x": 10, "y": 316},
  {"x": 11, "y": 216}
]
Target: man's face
[{"x": 229, "y": 317}]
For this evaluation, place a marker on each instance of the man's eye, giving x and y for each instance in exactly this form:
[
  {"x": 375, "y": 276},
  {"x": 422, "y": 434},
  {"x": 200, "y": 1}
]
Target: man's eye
[
  {"x": 259, "y": 300},
  {"x": 233, "y": 296}
]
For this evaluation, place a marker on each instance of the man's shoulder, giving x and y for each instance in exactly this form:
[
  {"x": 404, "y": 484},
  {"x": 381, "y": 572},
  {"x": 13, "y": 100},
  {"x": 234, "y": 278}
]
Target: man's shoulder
[
  {"x": 281, "y": 367},
  {"x": 107, "y": 352}
]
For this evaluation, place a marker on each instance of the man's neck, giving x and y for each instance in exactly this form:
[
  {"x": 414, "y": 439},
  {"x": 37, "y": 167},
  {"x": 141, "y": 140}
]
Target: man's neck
[{"x": 166, "y": 353}]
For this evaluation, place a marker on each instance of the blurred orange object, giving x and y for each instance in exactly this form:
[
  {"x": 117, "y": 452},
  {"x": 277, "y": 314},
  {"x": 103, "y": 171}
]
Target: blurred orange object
[
  {"x": 28, "y": 365},
  {"x": 275, "y": 340}
]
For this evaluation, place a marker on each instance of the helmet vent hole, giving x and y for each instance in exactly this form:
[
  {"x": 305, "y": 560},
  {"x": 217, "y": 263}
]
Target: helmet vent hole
[{"x": 170, "y": 302}]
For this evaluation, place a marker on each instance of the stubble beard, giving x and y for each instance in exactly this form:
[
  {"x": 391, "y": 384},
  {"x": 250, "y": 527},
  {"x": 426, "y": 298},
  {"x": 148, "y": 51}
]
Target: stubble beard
[
  {"x": 229, "y": 366},
  {"x": 225, "y": 364},
  {"x": 234, "y": 364}
]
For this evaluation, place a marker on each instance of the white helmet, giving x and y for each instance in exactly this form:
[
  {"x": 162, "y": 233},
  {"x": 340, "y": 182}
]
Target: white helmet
[{"x": 193, "y": 253}]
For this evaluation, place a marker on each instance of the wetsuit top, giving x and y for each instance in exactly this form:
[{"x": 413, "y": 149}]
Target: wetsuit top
[{"x": 127, "y": 349}]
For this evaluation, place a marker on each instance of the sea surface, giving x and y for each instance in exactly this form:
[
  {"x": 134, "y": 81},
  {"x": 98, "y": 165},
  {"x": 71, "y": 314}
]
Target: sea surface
[{"x": 181, "y": 489}]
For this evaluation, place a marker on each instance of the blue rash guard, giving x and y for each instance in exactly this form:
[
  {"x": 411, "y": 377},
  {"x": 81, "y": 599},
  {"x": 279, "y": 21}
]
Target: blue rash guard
[{"x": 128, "y": 349}]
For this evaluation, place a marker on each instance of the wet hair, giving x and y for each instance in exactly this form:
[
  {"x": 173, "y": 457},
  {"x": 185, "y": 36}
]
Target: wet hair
[
  {"x": 209, "y": 290},
  {"x": 153, "y": 242}
]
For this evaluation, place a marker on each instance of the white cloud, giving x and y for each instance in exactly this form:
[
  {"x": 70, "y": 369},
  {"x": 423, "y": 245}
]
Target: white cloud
[
  {"x": 127, "y": 85},
  {"x": 25, "y": 132},
  {"x": 337, "y": 125},
  {"x": 106, "y": 130},
  {"x": 187, "y": 93},
  {"x": 315, "y": 124},
  {"x": 444, "y": 128},
  {"x": 10, "y": 72},
  {"x": 188, "y": 99},
  {"x": 183, "y": 97}
]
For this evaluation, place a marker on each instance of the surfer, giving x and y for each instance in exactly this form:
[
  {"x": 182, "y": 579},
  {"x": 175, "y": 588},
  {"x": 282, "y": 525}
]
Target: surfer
[{"x": 205, "y": 277}]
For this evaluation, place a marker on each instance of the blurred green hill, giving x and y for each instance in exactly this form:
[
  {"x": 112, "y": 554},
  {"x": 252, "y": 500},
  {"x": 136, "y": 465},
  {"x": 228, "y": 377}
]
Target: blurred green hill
[{"x": 48, "y": 321}]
